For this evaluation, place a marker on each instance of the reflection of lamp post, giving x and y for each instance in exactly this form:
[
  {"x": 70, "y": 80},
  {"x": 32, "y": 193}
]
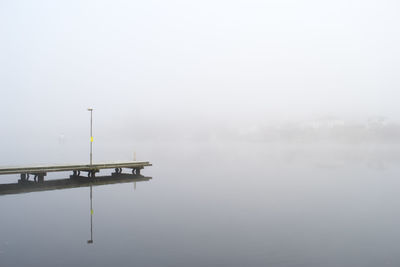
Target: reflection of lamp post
[
  {"x": 91, "y": 218},
  {"x": 91, "y": 134}
]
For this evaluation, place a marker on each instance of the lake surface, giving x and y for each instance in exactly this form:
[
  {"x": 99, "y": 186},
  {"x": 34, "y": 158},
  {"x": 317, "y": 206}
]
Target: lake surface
[{"x": 219, "y": 204}]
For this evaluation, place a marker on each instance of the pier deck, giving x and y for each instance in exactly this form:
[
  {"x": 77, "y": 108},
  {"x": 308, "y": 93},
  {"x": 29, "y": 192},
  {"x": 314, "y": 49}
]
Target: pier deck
[{"x": 40, "y": 171}]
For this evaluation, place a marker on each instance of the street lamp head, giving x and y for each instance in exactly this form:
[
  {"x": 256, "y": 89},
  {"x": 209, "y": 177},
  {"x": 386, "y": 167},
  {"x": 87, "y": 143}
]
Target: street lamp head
[{"x": 90, "y": 109}]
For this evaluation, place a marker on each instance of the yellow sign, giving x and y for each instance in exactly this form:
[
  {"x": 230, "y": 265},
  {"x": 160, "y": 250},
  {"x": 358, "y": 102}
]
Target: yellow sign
[{"x": 91, "y": 139}]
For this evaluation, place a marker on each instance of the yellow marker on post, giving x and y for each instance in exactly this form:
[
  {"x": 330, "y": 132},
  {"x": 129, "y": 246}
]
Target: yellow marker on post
[
  {"x": 91, "y": 139},
  {"x": 91, "y": 211}
]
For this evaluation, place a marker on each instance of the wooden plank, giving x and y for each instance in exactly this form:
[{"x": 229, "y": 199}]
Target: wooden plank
[{"x": 74, "y": 167}]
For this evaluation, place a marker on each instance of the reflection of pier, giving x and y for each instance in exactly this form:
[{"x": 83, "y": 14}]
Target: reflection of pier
[{"x": 73, "y": 182}]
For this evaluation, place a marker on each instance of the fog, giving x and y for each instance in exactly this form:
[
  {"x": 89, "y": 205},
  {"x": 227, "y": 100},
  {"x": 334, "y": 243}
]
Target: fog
[
  {"x": 163, "y": 71},
  {"x": 273, "y": 128}
]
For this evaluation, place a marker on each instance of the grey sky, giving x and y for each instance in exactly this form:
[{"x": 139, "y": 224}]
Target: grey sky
[{"x": 172, "y": 60}]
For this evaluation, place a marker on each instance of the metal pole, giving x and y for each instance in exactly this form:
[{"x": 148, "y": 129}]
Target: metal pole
[{"x": 91, "y": 134}]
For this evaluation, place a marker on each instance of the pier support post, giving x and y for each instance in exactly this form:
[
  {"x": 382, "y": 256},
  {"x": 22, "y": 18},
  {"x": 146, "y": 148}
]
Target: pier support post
[
  {"x": 118, "y": 171},
  {"x": 24, "y": 178},
  {"x": 41, "y": 177},
  {"x": 75, "y": 174},
  {"x": 136, "y": 171},
  {"x": 92, "y": 173}
]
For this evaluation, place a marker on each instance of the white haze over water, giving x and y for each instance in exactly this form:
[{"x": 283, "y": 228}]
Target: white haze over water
[
  {"x": 273, "y": 128},
  {"x": 205, "y": 70}
]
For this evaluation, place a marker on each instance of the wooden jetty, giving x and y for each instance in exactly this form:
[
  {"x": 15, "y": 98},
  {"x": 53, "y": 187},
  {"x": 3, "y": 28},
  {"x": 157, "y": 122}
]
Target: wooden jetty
[{"x": 39, "y": 172}]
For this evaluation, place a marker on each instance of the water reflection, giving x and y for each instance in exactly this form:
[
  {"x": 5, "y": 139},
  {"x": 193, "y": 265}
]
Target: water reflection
[
  {"x": 31, "y": 186},
  {"x": 91, "y": 217}
]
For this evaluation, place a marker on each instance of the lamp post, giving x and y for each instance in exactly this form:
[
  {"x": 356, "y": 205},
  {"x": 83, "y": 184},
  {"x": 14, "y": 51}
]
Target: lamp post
[
  {"x": 91, "y": 156},
  {"x": 91, "y": 133}
]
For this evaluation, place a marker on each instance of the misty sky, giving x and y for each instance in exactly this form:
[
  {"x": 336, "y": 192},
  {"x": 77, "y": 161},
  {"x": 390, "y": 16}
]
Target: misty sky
[{"x": 206, "y": 60}]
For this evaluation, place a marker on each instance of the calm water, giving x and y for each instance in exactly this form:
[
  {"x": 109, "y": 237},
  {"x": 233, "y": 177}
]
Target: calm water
[{"x": 219, "y": 205}]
